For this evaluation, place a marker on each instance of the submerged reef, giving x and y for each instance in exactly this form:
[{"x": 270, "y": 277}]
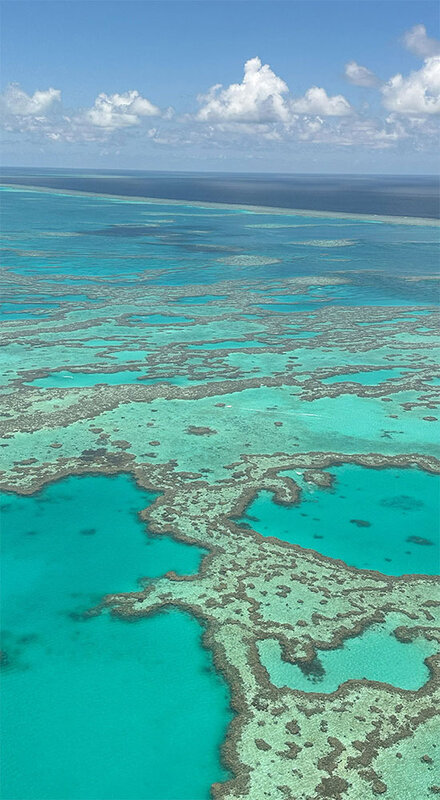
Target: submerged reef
[{"x": 208, "y": 394}]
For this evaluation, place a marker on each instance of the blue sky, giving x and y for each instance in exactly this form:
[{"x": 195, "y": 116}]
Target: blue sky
[{"x": 131, "y": 85}]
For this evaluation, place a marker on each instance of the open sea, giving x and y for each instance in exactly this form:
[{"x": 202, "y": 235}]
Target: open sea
[
  {"x": 401, "y": 195},
  {"x": 191, "y": 329}
]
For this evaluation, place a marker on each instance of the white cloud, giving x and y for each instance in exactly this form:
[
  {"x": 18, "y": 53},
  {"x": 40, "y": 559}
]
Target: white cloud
[
  {"x": 349, "y": 131},
  {"x": 359, "y": 75},
  {"x": 251, "y": 116},
  {"x": 16, "y": 102},
  {"x": 419, "y": 43},
  {"x": 263, "y": 98},
  {"x": 41, "y": 114},
  {"x": 259, "y": 98},
  {"x": 120, "y": 110},
  {"x": 317, "y": 101},
  {"x": 419, "y": 93}
]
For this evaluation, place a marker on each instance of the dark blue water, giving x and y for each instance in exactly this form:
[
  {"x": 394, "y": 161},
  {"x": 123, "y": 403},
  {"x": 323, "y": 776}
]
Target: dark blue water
[{"x": 402, "y": 195}]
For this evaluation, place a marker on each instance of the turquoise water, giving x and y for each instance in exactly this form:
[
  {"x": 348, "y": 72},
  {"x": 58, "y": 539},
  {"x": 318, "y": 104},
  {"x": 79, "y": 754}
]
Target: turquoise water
[
  {"x": 102, "y": 343},
  {"x": 159, "y": 319},
  {"x": 370, "y": 378},
  {"x": 99, "y": 709},
  {"x": 98, "y": 519},
  {"x": 31, "y": 299},
  {"x": 128, "y": 355},
  {"x": 200, "y": 299},
  {"x": 386, "y": 519},
  {"x": 21, "y": 313},
  {"x": 289, "y": 308},
  {"x": 24, "y": 305},
  {"x": 376, "y": 655},
  {"x": 99, "y": 343},
  {"x": 72, "y": 380},
  {"x": 226, "y": 345},
  {"x": 68, "y": 379},
  {"x": 368, "y": 295},
  {"x": 293, "y": 298},
  {"x": 396, "y": 248}
]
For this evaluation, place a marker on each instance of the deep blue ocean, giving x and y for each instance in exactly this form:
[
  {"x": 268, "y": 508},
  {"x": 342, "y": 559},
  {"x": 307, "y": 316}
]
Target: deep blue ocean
[{"x": 403, "y": 195}]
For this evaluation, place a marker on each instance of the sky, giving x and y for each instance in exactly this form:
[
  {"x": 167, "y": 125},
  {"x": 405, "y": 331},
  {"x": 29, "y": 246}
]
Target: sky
[{"x": 349, "y": 86}]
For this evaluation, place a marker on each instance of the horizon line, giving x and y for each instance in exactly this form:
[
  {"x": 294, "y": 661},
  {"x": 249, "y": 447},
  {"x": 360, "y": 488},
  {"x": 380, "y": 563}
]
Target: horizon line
[{"x": 433, "y": 175}]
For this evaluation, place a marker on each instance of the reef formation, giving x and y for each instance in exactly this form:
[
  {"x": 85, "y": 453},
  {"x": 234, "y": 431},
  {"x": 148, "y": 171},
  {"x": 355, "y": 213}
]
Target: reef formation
[{"x": 208, "y": 395}]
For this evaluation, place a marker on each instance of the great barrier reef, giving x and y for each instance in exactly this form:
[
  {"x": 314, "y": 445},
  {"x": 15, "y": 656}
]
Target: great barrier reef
[{"x": 220, "y": 500}]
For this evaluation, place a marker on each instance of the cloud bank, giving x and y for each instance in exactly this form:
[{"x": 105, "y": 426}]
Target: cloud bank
[{"x": 262, "y": 108}]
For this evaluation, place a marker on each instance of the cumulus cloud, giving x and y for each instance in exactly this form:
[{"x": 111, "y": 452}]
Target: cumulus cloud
[
  {"x": 419, "y": 43},
  {"x": 259, "y": 98},
  {"x": 419, "y": 93},
  {"x": 317, "y": 101},
  {"x": 42, "y": 114},
  {"x": 260, "y": 109},
  {"x": 263, "y": 97},
  {"x": 120, "y": 110},
  {"x": 16, "y": 102},
  {"x": 359, "y": 75}
]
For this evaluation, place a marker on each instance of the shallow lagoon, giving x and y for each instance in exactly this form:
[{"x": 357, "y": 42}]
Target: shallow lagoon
[
  {"x": 127, "y": 355},
  {"x": 385, "y": 520},
  {"x": 102, "y": 713},
  {"x": 375, "y": 655},
  {"x": 66, "y": 379},
  {"x": 73, "y": 380},
  {"x": 298, "y": 335}
]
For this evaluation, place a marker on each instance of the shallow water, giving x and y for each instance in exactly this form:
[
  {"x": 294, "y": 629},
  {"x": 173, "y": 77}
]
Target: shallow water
[
  {"x": 289, "y": 308},
  {"x": 68, "y": 379},
  {"x": 299, "y": 335},
  {"x": 370, "y": 378},
  {"x": 226, "y": 345},
  {"x": 91, "y": 687},
  {"x": 159, "y": 319},
  {"x": 375, "y": 655},
  {"x": 101, "y": 344},
  {"x": 384, "y": 520},
  {"x": 21, "y": 312},
  {"x": 65, "y": 379},
  {"x": 199, "y": 300},
  {"x": 127, "y": 355}
]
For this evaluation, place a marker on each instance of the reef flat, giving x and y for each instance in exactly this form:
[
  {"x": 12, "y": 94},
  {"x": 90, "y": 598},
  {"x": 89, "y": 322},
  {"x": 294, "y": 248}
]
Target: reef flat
[{"x": 228, "y": 368}]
